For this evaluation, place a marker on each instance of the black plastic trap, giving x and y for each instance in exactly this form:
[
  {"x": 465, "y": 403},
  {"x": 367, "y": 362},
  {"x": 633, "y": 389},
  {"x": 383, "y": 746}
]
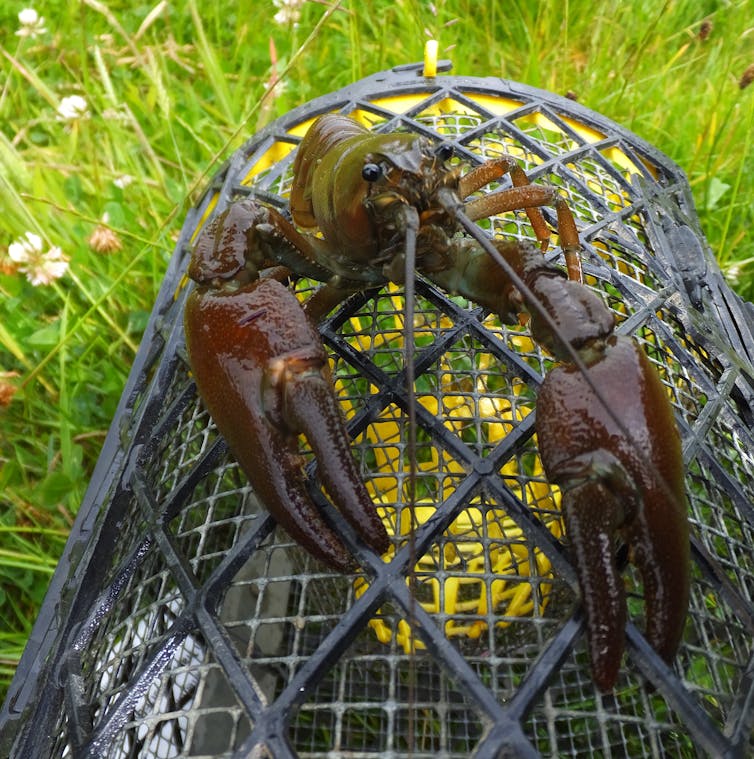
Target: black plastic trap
[{"x": 182, "y": 623}]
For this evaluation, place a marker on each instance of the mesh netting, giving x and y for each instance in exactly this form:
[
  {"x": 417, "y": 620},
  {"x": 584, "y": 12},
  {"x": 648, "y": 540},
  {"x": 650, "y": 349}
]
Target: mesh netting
[{"x": 183, "y": 623}]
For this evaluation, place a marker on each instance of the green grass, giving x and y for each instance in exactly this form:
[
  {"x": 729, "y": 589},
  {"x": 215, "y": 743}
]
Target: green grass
[{"x": 173, "y": 89}]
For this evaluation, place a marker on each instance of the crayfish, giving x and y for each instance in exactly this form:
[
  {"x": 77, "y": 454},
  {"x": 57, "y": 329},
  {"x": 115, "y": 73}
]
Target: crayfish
[{"x": 370, "y": 208}]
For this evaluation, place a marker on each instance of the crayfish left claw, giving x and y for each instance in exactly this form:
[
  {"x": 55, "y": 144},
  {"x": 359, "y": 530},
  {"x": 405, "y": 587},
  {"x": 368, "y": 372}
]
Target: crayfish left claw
[
  {"x": 621, "y": 472},
  {"x": 261, "y": 369},
  {"x": 593, "y": 514}
]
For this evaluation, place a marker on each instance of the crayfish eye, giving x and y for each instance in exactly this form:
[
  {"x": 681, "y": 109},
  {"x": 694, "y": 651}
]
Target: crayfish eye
[
  {"x": 444, "y": 151},
  {"x": 371, "y": 172}
]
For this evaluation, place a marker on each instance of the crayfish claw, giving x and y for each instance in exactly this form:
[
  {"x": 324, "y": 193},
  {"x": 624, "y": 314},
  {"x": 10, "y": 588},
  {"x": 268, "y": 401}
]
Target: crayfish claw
[
  {"x": 612, "y": 488},
  {"x": 286, "y": 498},
  {"x": 311, "y": 408},
  {"x": 592, "y": 516},
  {"x": 659, "y": 548},
  {"x": 261, "y": 369}
]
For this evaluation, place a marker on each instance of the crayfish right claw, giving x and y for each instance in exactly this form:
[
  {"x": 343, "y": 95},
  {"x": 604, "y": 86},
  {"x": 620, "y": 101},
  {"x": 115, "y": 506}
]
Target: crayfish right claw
[
  {"x": 310, "y": 408},
  {"x": 261, "y": 369},
  {"x": 589, "y": 447}
]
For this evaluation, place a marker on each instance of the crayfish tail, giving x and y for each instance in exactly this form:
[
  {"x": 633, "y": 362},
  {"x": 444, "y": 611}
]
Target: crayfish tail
[
  {"x": 311, "y": 407},
  {"x": 591, "y": 522}
]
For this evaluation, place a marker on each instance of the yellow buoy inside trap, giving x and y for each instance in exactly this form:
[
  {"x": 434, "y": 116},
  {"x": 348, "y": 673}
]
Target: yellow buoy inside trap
[{"x": 485, "y": 565}]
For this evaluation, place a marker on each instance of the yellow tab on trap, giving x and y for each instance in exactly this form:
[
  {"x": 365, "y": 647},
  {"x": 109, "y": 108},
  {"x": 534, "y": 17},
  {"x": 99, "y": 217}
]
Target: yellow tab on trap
[{"x": 430, "y": 58}]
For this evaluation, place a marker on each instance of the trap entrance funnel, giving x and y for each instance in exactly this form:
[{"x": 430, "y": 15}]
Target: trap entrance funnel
[{"x": 182, "y": 623}]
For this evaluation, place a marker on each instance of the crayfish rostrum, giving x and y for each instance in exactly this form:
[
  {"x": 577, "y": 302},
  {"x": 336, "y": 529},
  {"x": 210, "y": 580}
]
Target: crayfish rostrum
[{"x": 370, "y": 208}]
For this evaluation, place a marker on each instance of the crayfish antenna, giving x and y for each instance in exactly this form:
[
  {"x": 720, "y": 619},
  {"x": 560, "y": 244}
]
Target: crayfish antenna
[
  {"x": 637, "y": 427},
  {"x": 412, "y": 227},
  {"x": 411, "y": 230}
]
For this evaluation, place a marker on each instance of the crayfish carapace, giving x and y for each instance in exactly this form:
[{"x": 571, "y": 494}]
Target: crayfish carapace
[{"x": 384, "y": 205}]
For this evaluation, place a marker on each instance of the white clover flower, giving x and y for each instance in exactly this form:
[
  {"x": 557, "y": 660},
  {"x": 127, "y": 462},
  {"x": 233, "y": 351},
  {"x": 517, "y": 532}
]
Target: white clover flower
[
  {"x": 278, "y": 85},
  {"x": 53, "y": 265},
  {"x": 115, "y": 114},
  {"x": 73, "y": 107},
  {"x": 7, "y": 389},
  {"x": 32, "y": 24},
  {"x": 123, "y": 181},
  {"x": 40, "y": 268},
  {"x": 733, "y": 272},
  {"x": 29, "y": 245},
  {"x": 289, "y": 11}
]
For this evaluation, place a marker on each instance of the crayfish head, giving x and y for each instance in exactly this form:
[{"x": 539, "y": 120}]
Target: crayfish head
[{"x": 410, "y": 174}]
